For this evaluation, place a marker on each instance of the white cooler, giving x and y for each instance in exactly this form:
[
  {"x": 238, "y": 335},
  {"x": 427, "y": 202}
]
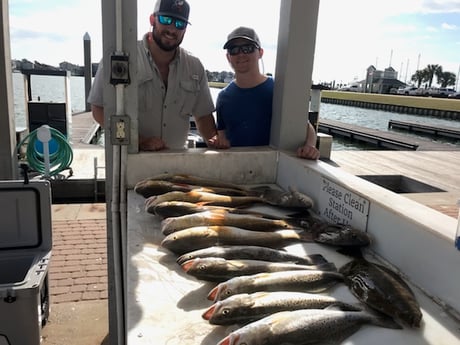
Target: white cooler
[{"x": 25, "y": 251}]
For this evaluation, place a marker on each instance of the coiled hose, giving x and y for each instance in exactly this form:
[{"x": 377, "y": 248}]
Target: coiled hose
[{"x": 60, "y": 158}]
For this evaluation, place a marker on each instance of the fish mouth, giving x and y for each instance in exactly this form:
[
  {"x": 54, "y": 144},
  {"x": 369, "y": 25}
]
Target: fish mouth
[
  {"x": 212, "y": 295},
  {"x": 209, "y": 312},
  {"x": 187, "y": 265},
  {"x": 182, "y": 259},
  {"x": 230, "y": 340}
]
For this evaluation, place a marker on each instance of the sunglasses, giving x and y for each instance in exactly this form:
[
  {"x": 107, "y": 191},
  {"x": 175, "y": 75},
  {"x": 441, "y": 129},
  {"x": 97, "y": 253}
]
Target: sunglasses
[
  {"x": 245, "y": 49},
  {"x": 178, "y": 23}
]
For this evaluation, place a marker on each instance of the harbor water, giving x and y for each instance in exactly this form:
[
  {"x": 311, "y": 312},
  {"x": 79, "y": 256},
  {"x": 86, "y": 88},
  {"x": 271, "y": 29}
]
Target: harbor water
[{"x": 51, "y": 89}]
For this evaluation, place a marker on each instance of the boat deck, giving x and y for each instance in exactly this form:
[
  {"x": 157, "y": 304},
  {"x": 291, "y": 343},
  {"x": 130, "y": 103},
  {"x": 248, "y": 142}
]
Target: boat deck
[
  {"x": 434, "y": 168},
  {"x": 84, "y": 130}
]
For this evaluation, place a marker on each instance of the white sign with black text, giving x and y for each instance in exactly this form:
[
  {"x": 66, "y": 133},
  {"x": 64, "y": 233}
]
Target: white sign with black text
[{"x": 339, "y": 205}]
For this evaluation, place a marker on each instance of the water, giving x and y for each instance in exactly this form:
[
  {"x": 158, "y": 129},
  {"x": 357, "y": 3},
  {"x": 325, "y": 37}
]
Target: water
[
  {"x": 51, "y": 89},
  {"x": 378, "y": 119}
]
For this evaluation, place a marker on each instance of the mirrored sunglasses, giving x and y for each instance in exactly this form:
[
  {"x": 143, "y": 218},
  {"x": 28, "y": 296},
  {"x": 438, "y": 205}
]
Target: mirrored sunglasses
[
  {"x": 178, "y": 23},
  {"x": 245, "y": 49}
]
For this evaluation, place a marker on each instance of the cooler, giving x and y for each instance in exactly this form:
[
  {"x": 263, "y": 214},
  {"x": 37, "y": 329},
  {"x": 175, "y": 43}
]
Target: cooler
[{"x": 25, "y": 251}]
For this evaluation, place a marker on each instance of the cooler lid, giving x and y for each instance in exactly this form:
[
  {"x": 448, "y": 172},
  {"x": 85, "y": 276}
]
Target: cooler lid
[{"x": 25, "y": 213}]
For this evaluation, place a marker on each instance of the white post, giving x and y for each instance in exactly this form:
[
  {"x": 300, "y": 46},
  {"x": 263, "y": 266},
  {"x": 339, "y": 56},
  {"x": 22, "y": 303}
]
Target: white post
[{"x": 44, "y": 135}]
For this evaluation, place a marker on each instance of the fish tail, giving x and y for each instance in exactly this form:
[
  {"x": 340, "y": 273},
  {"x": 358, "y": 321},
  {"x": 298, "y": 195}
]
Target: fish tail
[{"x": 306, "y": 236}]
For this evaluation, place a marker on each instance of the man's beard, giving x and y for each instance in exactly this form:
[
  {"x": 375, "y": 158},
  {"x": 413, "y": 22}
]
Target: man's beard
[{"x": 166, "y": 47}]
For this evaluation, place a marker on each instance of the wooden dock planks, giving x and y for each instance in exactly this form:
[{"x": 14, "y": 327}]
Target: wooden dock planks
[
  {"x": 438, "y": 130},
  {"x": 382, "y": 139}
]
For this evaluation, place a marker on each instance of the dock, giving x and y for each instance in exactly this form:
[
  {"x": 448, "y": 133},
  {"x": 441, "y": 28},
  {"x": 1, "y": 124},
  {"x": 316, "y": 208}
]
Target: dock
[
  {"x": 381, "y": 139},
  {"x": 437, "y": 131},
  {"x": 85, "y": 130},
  {"x": 437, "y": 107}
]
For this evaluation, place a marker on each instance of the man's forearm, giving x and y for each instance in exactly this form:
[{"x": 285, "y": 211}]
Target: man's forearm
[
  {"x": 206, "y": 126},
  {"x": 98, "y": 114}
]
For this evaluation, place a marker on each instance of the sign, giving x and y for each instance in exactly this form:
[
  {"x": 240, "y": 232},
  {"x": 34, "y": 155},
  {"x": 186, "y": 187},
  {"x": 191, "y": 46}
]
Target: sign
[{"x": 339, "y": 205}]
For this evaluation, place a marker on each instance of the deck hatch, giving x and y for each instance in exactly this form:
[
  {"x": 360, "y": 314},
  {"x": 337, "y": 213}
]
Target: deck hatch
[{"x": 401, "y": 184}]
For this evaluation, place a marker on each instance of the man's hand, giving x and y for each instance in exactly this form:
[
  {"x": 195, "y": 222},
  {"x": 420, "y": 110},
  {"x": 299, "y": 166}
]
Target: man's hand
[
  {"x": 308, "y": 152},
  {"x": 152, "y": 144},
  {"x": 219, "y": 142}
]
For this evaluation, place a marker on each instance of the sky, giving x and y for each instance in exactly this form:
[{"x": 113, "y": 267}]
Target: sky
[{"x": 351, "y": 34}]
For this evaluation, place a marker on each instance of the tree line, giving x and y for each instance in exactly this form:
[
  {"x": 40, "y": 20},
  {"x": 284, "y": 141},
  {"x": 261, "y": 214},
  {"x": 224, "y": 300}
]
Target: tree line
[{"x": 427, "y": 75}]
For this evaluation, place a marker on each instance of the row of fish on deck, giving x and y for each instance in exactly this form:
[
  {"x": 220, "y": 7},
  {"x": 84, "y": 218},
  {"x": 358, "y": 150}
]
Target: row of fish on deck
[{"x": 271, "y": 295}]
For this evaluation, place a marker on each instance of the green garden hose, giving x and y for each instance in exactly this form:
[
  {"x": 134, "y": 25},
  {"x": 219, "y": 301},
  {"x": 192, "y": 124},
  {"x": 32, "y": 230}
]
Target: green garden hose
[{"x": 60, "y": 156}]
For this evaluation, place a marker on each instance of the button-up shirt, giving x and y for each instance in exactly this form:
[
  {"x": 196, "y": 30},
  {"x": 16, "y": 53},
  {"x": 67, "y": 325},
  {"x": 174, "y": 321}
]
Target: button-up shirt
[{"x": 165, "y": 111}]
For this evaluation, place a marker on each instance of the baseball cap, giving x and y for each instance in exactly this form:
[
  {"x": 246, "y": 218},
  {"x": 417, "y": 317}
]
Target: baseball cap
[
  {"x": 243, "y": 32},
  {"x": 179, "y": 9}
]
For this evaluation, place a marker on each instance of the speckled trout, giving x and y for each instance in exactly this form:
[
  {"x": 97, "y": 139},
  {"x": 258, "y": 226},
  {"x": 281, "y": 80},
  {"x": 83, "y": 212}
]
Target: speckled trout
[
  {"x": 219, "y": 270},
  {"x": 305, "y": 326},
  {"x": 252, "y": 252},
  {"x": 204, "y": 198},
  {"x": 244, "y": 308},
  {"x": 302, "y": 281},
  {"x": 223, "y": 217},
  {"x": 199, "y": 237}
]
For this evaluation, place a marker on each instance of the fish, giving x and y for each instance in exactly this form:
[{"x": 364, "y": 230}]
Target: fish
[
  {"x": 383, "y": 290},
  {"x": 305, "y": 326},
  {"x": 148, "y": 188},
  {"x": 301, "y": 281},
  {"x": 287, "y": 199},
  {"x": 252, "y": 252},
  {"x": 223, "y": 217},
  {"x": 204, "y": 198},
  {"x": 199, "y": 237},
  {"x": 245, "y": 308},
  {"x": 167, "y": 209},
  {"x": 195, "y": 180},
  {"x": 341, "y": 235},
  {"x": 219, "y": 269}
]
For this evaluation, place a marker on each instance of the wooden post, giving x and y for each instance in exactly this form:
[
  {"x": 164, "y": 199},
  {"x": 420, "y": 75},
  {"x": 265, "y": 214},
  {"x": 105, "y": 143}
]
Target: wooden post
[
  {"x": 88, "y": 68},
  {"x": 8, "y": 168}
]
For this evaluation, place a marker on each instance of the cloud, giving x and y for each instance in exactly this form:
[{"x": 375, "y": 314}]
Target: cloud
[
  {"x": 446, "y": 26},
  {"x": 21, "y": 34},
  {"x": 440, "y": 6}
]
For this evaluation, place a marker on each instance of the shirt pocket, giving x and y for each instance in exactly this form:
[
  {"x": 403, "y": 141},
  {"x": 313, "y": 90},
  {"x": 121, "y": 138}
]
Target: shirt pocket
[{"x": 188, "y": 95}]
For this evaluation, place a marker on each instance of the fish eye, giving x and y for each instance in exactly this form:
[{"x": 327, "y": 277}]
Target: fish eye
[
  {"x": 202, "y": 267},
  {"x": 228, "y": 292},
  {"x": 226, "y": 311}
]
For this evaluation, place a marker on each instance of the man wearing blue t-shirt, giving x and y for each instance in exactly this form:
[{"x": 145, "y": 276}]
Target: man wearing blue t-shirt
[{"x": 244, "y": 107}]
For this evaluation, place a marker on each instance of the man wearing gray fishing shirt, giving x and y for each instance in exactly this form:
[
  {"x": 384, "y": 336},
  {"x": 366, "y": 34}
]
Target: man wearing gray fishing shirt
[{"x": 172, "y": 84}]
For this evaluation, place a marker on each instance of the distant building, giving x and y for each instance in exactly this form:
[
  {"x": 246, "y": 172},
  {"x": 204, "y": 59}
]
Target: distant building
[{"x": 381, "y": 81}]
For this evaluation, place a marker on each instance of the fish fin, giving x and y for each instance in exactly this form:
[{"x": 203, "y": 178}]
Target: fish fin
[
  {"x": 334, "y": 306},
  {"x": 202, "y": 203},
  {"x": 317, "y": 259},
  {"x": 385, "y": 321},
  {"x": 328, "y": 266},
  {"x": 350, "y": 306}
]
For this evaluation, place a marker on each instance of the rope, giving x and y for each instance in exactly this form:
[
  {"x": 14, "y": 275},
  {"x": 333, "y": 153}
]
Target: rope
[{"x": 60, "y": 159}]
